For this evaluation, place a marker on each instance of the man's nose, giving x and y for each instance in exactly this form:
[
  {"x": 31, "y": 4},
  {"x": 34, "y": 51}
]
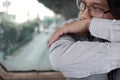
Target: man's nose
[{"x": 85, "y": 14}]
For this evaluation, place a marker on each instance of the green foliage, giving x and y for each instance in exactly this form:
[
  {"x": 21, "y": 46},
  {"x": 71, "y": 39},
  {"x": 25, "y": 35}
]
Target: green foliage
[{"x": 14, "y": 34}]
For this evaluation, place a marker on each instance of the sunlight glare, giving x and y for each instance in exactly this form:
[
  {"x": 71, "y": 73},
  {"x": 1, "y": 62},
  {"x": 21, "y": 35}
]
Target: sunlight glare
[{"x": 24, "y": 9}]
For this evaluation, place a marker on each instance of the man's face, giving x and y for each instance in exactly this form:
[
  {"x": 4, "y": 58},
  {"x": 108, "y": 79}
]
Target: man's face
[{"x": 94, "y": 8}]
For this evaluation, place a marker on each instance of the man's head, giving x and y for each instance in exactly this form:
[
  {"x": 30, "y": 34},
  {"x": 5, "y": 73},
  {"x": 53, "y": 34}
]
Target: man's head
[{"x": 99, "y": 8}]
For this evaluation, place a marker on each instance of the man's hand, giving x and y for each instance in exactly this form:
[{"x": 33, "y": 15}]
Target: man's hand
[{"x": 78, "y": 27}]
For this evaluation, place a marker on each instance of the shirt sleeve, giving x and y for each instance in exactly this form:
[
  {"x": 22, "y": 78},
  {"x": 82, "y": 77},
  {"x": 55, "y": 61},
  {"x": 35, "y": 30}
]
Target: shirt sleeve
[
  {"x": 73, "y": 58},
  {"x": 105, "y": 29}
]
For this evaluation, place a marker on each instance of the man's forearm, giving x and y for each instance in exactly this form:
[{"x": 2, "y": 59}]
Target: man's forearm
[
  {"x": 67, "y": 55},
  {"x": 78, "y": 27}
]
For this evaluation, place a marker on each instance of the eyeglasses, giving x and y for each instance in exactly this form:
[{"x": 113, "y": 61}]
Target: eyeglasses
[{"x": 93, "y": 10}]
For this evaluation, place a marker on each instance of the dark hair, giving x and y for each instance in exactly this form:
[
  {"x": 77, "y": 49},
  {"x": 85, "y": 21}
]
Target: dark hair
[{"x": 114, "y": 6}]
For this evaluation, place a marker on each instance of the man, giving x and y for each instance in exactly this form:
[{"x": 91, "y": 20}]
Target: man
[{"x": 88, "y": 48}]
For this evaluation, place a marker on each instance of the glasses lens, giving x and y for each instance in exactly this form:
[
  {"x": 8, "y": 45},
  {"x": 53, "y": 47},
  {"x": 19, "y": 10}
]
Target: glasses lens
[
  {"x": 93, "y": 10},
  {"x": 96, "y": 11},
  {"x": 82, "y": 6}
]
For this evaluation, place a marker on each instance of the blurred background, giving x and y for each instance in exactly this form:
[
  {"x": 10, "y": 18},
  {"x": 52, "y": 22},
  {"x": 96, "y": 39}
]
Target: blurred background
[{"x": 25, "y": 29}]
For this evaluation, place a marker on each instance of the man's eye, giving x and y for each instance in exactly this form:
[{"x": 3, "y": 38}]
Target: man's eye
[{"x": 96, "y": 8}]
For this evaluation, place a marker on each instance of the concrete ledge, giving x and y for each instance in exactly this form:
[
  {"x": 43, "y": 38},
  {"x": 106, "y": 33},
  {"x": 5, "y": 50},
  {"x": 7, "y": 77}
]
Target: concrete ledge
[{"x": 6, "y": 75}]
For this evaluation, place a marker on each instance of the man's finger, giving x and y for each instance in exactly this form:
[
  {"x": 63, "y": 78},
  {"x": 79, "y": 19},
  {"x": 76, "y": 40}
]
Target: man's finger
[{"x": 53, "y": 38}]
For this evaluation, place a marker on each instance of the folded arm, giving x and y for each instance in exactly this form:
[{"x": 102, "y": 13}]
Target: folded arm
[
  {"x": 66, "y": 52},
  {"x": 83, "y": 57},
  {"x": 101, "y": 28}
]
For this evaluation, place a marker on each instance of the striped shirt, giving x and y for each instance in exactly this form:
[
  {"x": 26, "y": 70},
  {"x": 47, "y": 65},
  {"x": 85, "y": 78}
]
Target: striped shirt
[{"x": 83, "y": 58}]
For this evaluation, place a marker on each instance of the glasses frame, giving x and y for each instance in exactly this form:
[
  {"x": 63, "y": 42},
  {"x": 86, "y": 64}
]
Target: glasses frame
[{"x": 78, "y": 6}]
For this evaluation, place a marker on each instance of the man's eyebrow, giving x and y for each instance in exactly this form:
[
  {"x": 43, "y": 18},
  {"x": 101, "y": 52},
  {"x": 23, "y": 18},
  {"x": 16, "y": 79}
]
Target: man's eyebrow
[
  {"x": 95, "y": 3},
  {"x": 98, "y": 4}
]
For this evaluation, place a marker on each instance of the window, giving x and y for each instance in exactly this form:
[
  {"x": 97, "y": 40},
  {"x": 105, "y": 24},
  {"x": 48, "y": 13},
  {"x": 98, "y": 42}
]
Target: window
[{"x": 25, "y": 29}]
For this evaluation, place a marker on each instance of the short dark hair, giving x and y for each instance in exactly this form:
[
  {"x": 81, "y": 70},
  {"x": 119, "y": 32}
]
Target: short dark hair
[{"x": 114, "y": 6}]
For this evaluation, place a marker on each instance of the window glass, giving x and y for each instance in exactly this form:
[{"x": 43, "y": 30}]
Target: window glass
[{"x": 25, "y": 29}]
